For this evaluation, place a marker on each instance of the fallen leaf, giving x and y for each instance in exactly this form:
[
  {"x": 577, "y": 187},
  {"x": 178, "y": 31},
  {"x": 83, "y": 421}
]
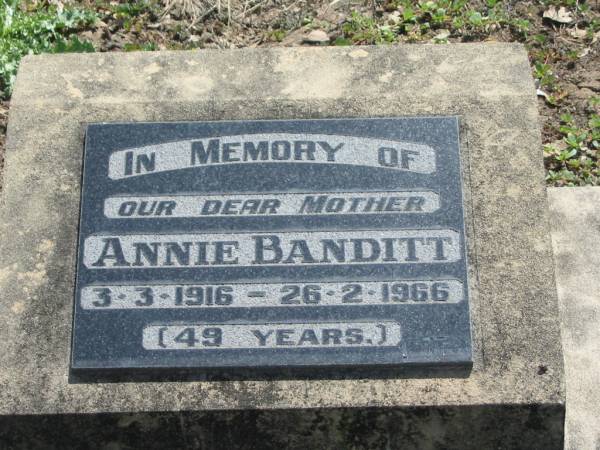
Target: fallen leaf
[
  {"x": 560, "y": 16},
  {"x": 394, "y": 17},
  {"x": 441, "y": 36},
  {"x": 577, "y": 33}
]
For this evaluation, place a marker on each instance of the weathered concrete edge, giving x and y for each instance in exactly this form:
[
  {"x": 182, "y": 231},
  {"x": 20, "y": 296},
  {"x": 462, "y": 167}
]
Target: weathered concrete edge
[
  {"x": 575, "y": 220},
  {"x": 311, "y": 109},
  {"x": 31, "y": 89}
]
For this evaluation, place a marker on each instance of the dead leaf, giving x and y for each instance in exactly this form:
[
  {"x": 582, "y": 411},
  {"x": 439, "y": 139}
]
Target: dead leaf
[
  {"x": 560, "y": 16},
  {"x": 394, "y": 17},
  {"x": 577, "y": 33},
  {"x": 441, "y": 36}
]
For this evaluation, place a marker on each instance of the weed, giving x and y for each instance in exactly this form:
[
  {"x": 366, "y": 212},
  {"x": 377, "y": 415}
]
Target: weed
[
  {"x": 543, "y": 72},
  {"x": 575, "y": 159},
  {"x": 420, "y": 20},
  {"x": 130, "y": 10},
  {"x": 44, "y": 29},
  {"x": 277, "y": 35},
  {"x": 133, "y": 14},
  {"x": 341, "y": 41},
  {"x": 364, "y": 30}
]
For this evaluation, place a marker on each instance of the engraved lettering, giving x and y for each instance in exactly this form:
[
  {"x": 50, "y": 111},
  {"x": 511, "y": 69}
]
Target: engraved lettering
[
  {"x": 331, "y": 151},
  {"x": 351, "y": 247},
  {"x": 111, "y": 250},
  {"x": 201, "y": 155}
]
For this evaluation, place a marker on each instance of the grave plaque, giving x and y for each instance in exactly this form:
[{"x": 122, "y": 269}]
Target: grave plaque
[{"x": 264, "y": 244}]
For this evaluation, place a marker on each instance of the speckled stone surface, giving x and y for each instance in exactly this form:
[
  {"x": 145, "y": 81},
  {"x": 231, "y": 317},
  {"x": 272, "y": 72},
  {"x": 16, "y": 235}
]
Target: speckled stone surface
[
  {"x": 575, "y": 222},
  {"x": 262, "y": 323},
  {"x": 516, "y": 336}
]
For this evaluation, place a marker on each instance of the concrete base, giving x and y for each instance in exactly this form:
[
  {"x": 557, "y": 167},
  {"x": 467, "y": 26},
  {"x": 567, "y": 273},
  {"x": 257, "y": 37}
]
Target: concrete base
[
  {"x": 515, "y": 392},
  {"x": 575, "y": 214}
]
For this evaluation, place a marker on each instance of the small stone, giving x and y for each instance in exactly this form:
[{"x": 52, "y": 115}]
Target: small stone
[
  {"x": 317, "y": 37},
  {"x": 584, "y": 93},
  {"x": 591, "y": 80},
  {"x": 594, "y": 85}
]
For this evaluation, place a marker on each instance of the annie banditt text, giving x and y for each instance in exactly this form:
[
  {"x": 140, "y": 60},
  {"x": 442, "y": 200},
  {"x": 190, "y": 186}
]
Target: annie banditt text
[{"x": 245, "y": 249}]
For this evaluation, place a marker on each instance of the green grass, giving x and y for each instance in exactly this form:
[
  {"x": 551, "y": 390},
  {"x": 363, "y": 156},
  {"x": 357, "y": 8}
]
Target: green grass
[
  {"x": 39, "y": 30},
  {"x": 422, "y": 20},
  {"x": 573, "y": 160}
]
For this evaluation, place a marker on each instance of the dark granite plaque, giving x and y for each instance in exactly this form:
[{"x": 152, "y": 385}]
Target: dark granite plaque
[{"x": 271, "y": 244}]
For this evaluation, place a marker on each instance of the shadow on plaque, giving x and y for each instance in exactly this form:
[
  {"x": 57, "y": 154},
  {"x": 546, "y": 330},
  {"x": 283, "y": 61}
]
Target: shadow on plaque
[{"x": 268, "y": 374}]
